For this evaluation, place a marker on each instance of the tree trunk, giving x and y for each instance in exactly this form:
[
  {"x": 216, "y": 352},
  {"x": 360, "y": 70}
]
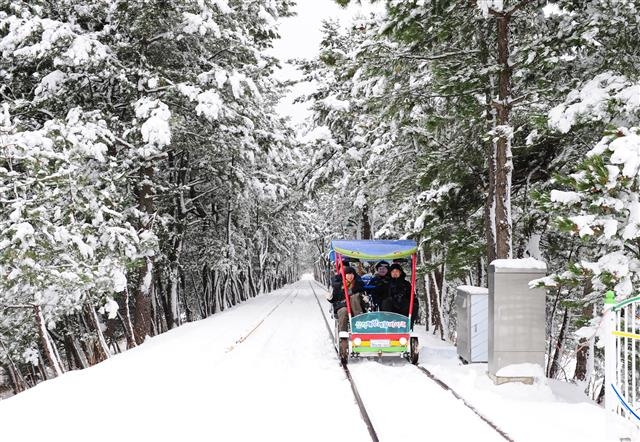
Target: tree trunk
[
  {"x": 142, "y": 317},
  {"x": 584, "y": 357},
  {"x": 47, "y": 343},
  {"x": 554, "y": 366},
  {"x": 504, "y": 163},
  {"x": 229, "y": 219},
  {"x": 581, "y": 360},
  {"x": 75, "y": 355},
  {"x": 100, "y": 344},
  {"x": 127, "y": 325},
  {"x": 366, "y": 223},
  {"x": 18, "y": 382},
  {"x": 436, "y": 301},
  {"x": 490, "y": 151}
]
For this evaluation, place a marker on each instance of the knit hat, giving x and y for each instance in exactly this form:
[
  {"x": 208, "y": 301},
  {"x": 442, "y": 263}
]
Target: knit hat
[
  {"x": 396, "y": 266},
  {"x": 382, "y": 264}
]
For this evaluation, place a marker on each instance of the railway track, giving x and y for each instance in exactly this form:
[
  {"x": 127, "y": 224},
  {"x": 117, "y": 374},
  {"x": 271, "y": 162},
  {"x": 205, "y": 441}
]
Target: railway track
[
  {"x": 354, "y": 389},
  {"x": 242, "y": 338},
  {"x": 363, "y": 411}
]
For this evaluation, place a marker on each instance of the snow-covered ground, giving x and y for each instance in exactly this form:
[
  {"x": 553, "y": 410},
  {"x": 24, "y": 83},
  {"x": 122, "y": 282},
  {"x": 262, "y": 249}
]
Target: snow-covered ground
[{"x": 267, "y": 370}]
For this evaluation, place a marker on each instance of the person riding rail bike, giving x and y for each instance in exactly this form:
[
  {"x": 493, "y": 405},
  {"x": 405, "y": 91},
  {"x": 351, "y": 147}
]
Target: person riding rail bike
[{"x": 355, "y": 289}]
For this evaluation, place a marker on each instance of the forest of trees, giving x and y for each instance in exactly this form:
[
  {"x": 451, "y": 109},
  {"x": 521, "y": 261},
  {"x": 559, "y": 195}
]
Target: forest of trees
[
  {"x": 146, "y": 179},
  {"x": 490, "y": 129},
  {"x": 144, "y": 176}
]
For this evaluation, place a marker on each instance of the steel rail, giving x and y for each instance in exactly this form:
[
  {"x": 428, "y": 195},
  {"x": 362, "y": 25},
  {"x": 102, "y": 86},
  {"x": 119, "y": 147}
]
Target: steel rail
[
  {"x": 259, "y": 323},
  {"x": 446, "y": 387},
  {"x": 443, "y": 385},
  {"x": 354, "y": 389}
]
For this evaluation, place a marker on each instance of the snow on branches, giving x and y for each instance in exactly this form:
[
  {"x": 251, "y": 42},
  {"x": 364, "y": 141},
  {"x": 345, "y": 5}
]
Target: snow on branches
[{"x": 63, "y": 239}]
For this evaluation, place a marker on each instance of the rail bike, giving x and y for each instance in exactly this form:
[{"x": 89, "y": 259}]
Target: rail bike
[{"x": 376, "y": 333}]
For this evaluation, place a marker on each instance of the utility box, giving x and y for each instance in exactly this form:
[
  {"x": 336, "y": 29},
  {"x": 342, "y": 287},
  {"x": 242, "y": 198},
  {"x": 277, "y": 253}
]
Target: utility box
[
  {"x": 516, "y": 316},
  {"x": 473, "y": 323}
]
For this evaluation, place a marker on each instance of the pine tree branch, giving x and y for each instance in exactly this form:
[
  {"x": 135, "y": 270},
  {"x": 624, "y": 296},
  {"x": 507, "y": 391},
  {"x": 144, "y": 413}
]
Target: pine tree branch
[
  {"x": 518, "y": 6},
  {"x": 507, "y": 14},
  {"x": 439, "y": 56},
  {"x": 17, "y": 306}
]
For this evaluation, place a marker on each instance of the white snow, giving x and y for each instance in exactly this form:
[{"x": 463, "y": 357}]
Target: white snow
[
  {"x": 319, "y": 133},
  {"x": 332, "y": 102},
  {"x": 521, "y": 370},
  {"x": 119, "y": 280},
  {"x": 485, "y": 5},
  {"x": 22, "y": 231},
  {"x": 631, "y": 230},
  {"x": 583, "y": 222},
  {"x": 221, "y": 78},
  {"x": 198, "y": 24},
  {"x": 209, "y": 104},
  {"x": 189, "y": 91},
  {"x": 533, "y": 246},
  {"x": 551, "y": 9},
  {"x": 50, "y": 84},
  {"x": 585, "y": 332},
  {"x": 110, "y": 307},
  {"x": 547, "y": 281},
  {"x": 474, "y": 290},
  {"x": 223, "y": 5},
  {"x": 267, "y": 370},
  {"x": 592, "y": 100},
  {"x": 524, "y": 263},
  {"x": 563, "y": 197},
  {"x": 626, "y": 151},
  {"x": 82, "y": 51},
  {"x": 234, "y": 80}
]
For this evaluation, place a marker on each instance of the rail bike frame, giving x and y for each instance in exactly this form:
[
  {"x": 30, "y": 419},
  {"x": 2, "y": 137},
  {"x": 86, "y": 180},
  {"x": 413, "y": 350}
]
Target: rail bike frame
[{"x": 377, "y": 333}]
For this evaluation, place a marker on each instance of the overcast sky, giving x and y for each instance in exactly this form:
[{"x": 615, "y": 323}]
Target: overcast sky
[{"x": 301, "y": 39}]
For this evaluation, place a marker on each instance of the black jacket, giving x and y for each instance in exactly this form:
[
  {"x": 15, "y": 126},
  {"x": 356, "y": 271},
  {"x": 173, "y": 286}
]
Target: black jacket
[
  {"x": 380, "y": 288},
  {"x": 338, "y": 300},
  {"x": 400, "y": 292},
  {"x": 397, "y": 297}
]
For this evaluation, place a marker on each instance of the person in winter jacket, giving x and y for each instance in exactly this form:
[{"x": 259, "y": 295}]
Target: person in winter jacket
[
  {"x": 398, "y": 293},
  {"x": 379, "y": 283},
  {"x": 355, "y": 289}
]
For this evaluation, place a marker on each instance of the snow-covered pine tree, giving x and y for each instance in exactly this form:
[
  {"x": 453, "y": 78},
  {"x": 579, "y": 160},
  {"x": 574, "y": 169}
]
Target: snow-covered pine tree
[
  {"x": 598, "y": 202},
  {"x": 197, "y": 160}
]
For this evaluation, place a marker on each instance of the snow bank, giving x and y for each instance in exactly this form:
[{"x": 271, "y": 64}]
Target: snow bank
[
  {"x": 521, "y": 370},
  {"x": 525, "y": 263},
  {"x": 474, "y": 290}
]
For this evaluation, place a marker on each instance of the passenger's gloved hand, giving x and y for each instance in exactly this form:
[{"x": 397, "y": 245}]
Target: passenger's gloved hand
[
  {"x": 366, "y": 298},
  {"x": 329, "y": 296}
]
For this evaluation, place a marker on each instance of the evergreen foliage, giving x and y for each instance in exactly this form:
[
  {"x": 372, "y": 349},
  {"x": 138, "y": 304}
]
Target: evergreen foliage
[{"x": 145, "y": 179}]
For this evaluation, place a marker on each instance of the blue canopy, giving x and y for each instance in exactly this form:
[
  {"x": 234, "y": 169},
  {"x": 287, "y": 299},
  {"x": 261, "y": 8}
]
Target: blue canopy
[{"x": 373, "y": 249}]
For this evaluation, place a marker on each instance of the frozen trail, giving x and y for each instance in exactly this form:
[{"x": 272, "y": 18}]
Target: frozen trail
[
  {"x": 289, "y": 361},
  {"x": 263, "y": 370}
]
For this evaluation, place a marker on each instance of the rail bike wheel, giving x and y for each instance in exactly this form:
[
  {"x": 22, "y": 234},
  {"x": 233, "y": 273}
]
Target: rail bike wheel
[
  {"x": 414, "y": 352},
  {"x": 343, "y": 350}
]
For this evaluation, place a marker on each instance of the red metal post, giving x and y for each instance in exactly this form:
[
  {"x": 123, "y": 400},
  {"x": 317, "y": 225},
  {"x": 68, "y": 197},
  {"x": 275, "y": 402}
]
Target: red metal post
[
  {"x": 414, "y": 259},
  {"x": 344, "y": 283}
]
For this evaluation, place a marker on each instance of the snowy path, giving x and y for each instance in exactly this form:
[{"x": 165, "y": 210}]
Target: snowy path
[
  {"x": 400, "y": 399},
  {"x": 263, "y": 370},
  {"x": 196, "y": 383}
]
